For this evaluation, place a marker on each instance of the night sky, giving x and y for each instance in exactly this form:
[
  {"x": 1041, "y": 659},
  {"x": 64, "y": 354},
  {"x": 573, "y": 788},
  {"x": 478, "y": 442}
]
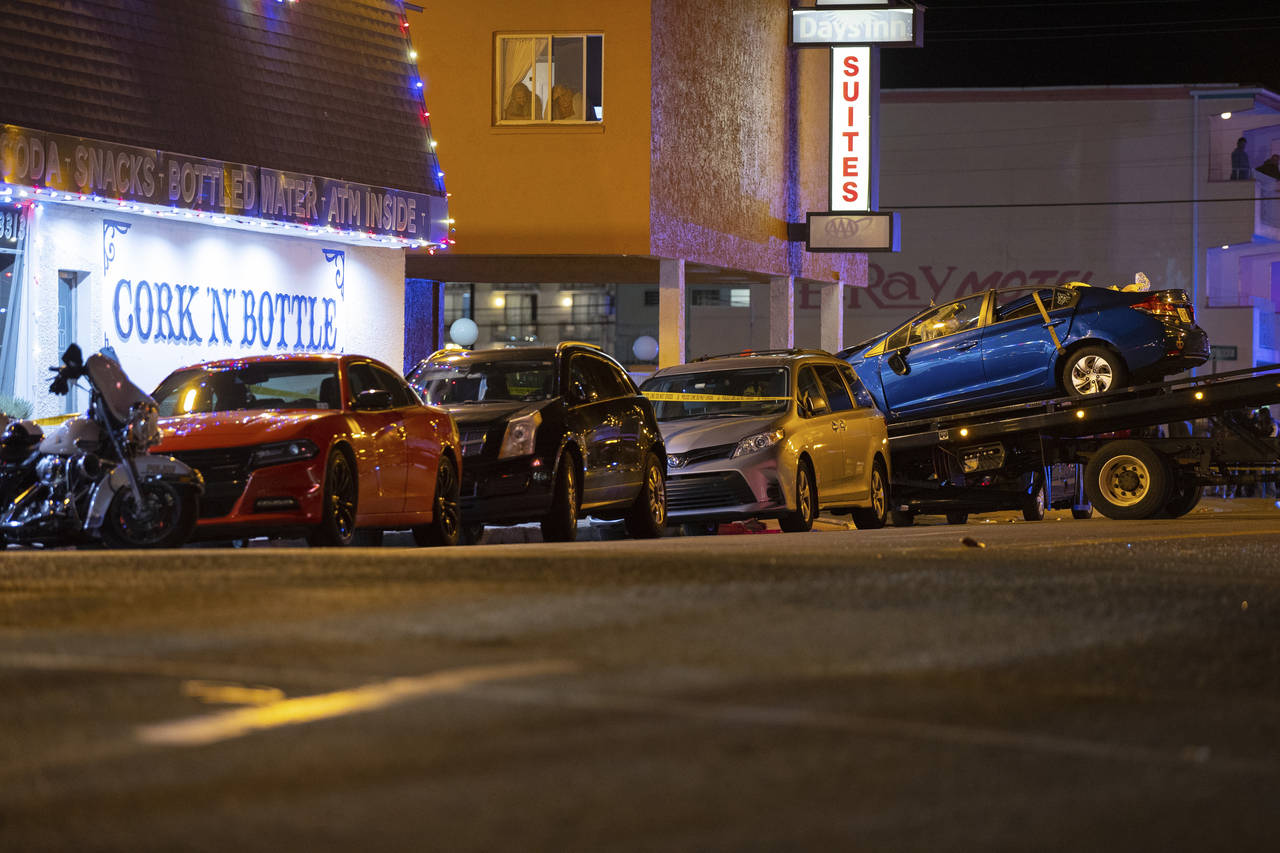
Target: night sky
[{"x": 1109, "y": 42}]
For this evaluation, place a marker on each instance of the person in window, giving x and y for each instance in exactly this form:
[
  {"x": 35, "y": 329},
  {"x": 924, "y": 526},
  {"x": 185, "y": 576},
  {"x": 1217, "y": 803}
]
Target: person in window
[
  {"x": 1240, "y": 161},
  {"x": 519, "y": 104},
  {"x": 563, "y": 104}
]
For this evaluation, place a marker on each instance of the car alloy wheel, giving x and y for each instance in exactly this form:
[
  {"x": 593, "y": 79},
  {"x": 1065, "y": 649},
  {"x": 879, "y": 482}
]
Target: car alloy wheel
[
  {"x": 1035, "y": 504},
  {"x": 648, "y": 515},
  {"x": 801, "y": 520},
  {"x": 875, "y": 516},
  {"x": 1093, "y": 370},
  {"x": 445, "y": 527},
  {"x": 561, "y": 522},
  {"x": 338, "y": 514}
]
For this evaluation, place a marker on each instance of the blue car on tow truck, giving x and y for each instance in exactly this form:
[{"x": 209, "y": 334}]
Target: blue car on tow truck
[{"x": 1030, "y": 343}]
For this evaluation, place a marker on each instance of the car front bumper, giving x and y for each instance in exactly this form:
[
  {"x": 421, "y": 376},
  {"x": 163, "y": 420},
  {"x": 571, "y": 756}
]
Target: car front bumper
[
  {"x": 759, "y": 485},
  {"x": 506, "y": 491}
]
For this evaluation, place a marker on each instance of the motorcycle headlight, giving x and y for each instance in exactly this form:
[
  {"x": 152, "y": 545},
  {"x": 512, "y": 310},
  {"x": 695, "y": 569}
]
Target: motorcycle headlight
[
  {"x": 142, "y": 429},
  {"x": 756, "y": 443},
  {"x": 519, "y": 437},
  {"x": 281, "y": 452}
]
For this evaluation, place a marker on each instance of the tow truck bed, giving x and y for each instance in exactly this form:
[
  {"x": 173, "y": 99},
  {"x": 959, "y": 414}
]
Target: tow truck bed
[{"x": 1005, "y": 457}]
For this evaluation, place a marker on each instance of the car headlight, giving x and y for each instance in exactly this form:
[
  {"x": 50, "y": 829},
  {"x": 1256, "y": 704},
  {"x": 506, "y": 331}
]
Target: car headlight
[
  {"x": 756, "y": 443},
  {"x": 282, "y": 451},
  {"x": 519, "y": 437}
]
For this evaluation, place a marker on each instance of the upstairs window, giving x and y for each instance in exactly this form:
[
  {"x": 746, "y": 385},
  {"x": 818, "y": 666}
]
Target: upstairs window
[{"x": 549, "y": 79}]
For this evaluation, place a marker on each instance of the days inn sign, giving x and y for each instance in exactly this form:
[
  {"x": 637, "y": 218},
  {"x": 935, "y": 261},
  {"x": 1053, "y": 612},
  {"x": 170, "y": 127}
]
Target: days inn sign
[{"x": 854, "y": 33}]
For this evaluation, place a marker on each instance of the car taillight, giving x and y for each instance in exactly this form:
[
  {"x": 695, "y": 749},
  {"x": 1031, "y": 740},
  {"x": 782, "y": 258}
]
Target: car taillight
[{"x": 1160, "y": 307}]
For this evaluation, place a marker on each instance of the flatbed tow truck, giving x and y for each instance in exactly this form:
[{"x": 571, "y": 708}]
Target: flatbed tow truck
[{"x": 1110, "y": 452}]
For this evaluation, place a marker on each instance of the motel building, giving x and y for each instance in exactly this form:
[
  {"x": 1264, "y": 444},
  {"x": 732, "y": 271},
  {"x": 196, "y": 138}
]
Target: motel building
[
  {"x": 635, "y": 175},
  {"x": 173, "y": 200},
  {"x": 654, "y": 183}
]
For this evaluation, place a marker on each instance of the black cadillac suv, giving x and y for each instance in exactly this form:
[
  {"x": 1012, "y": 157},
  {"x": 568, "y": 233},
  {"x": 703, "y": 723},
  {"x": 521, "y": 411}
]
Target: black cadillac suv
[{"x": 548, "y": 434}]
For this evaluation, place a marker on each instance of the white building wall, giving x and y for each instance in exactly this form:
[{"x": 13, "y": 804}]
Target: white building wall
[
  {"x": 297, "y": 286},
  {"x": 1009, "y": 187}
]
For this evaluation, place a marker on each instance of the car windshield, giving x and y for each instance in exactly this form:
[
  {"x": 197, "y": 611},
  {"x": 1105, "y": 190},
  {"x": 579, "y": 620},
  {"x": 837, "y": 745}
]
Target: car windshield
[
  {"x": 465, "y": 381},
  {"x": 250, "y": 386},
  {"x": 713, "y": 393}
]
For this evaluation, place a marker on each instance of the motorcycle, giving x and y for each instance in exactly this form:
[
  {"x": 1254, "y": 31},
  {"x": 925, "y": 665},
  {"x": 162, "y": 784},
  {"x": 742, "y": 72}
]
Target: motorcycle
[{"x": 91, "y": 480}]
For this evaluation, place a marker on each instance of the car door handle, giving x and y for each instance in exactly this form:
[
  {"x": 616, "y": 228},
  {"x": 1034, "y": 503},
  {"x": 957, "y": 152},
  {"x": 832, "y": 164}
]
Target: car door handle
[
  {"x": 1057, "y": 322},
  {"x": 966, "y": 345}
]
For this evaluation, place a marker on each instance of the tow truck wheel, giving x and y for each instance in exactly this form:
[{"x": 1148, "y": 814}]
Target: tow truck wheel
[
  {"x": 1183, "y": 498},
  {"x": 1093, "y": 370},
  {"x": 1034, "y": 505},
  {"x": 1127, "y": 479},
  {"x": 957, "y": 517},
  {"x": 901, "y": 518}
]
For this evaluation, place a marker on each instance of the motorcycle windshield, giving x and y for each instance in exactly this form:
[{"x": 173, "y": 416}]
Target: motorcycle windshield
[{"x": 118, "y": 392}]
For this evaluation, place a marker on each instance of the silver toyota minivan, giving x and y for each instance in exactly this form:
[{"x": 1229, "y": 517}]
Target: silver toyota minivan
[{"x": 770, "y": 434}]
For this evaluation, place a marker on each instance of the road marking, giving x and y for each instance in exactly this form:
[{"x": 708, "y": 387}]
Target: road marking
[
  {"x": 955, "y": 531},
  {"x": 225, "y": 725},
  {"x": 212, "y": 693},
  {"x": 858, "y": 725}
]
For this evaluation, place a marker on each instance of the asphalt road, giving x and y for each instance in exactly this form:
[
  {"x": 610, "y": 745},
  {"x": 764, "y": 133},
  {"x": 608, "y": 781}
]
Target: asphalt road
[{"x": 1062, "y": 685}]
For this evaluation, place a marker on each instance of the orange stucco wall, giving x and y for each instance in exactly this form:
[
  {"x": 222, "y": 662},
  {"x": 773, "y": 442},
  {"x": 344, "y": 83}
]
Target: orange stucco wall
[
  {"x": 539, "y": 190},
  {"x": 742, "y": 146}
]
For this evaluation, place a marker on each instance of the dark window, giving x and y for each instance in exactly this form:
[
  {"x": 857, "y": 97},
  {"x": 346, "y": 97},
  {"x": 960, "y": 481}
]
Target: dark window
[
  {"x": 1016, "y": 304},
  {"x": 619, "y": 380},
  {"x": 580, "y": 374},
  {"x": 861, "y": 395},
  {"x": 834, "y": 388},
  {"x": 361, "y": 377},
  {"x": 603, "y": 379},
  {"x": 808, "y": 387},
  {"x": 400, "y": 394}
]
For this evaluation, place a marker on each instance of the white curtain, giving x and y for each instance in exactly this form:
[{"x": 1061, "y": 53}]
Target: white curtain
[{"x": 517, "y": 62}]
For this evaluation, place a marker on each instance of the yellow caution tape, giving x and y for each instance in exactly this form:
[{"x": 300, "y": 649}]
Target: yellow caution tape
[
  {"x": 55, "y": 420},
  {"x": 677, "y": 397}
]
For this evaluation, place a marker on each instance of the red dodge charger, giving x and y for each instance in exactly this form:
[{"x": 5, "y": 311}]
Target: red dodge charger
[{"x": 334, "y": 447}]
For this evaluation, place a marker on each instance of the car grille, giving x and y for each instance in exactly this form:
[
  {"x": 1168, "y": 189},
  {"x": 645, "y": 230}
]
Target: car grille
[
  {"x": 707, "y": 491},
  {"x": 699, "y": 454},
  {"x": 472, "y": 442},
  {"x": 225, "y": 472}
]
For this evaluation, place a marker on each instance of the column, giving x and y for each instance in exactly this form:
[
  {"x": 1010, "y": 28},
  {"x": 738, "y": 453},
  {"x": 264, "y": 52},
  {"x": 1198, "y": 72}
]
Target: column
[
  {"x": 782, "y": 312},
  {"x": 831, "y": 308},
  {"x": 671, "y": 312},
  {"x": 423, "y": 319}
]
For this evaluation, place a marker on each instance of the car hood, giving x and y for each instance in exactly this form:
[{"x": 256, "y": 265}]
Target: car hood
[
  {"x": 681, "y": 436},
  {"x": 855, "y": 352},
  {"x": 475, "y": 414},
  {"x": 232, "y": 429}
]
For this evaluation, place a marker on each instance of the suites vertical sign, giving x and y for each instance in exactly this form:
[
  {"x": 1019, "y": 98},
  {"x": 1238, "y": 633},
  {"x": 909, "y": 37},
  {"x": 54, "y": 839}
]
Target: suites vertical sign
[
  {"x": 852, "y": 87},
  {"x": 854, "y": 33}
]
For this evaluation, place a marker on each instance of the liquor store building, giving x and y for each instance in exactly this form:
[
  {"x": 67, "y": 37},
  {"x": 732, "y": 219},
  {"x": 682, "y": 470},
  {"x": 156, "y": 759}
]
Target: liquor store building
[{"x": 161, "y": 214}]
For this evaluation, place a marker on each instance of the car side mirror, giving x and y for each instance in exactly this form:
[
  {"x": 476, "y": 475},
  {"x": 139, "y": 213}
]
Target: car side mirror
[
  {"x": 373, "y": 400},
  {"x": 809, "y": 407},
  {"x": 898, "y": 362}
]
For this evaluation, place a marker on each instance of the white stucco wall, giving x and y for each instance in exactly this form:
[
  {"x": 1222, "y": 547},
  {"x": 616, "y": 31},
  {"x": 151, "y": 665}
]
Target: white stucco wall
[{"x": 293, "y": 282}]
